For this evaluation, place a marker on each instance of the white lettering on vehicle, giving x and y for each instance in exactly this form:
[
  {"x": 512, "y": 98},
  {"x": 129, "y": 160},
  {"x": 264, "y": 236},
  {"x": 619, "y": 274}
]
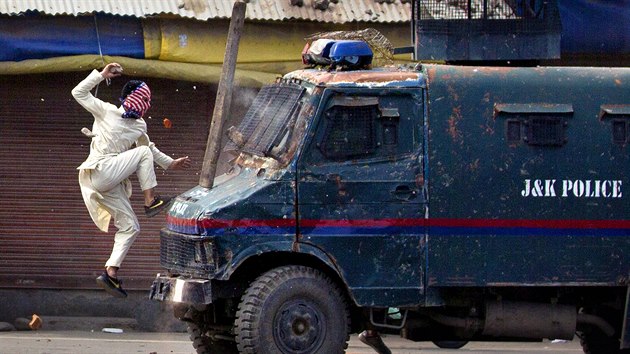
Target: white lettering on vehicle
[
  {"x": 179, "y": 208},
  {"x": 578, "y": 188}
]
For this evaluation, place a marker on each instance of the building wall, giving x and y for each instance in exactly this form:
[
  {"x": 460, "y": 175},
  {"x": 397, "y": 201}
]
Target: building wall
[
  {"x": 47, "y": 239},
  {"x": 260, "y": 42}
]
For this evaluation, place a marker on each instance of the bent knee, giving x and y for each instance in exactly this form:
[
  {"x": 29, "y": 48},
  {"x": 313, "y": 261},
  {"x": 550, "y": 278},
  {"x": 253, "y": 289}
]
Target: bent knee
[
  {"x": 145, "y": 150},
  {"x": 129, "y": 226},
  {"x": 145, "y": 153}
]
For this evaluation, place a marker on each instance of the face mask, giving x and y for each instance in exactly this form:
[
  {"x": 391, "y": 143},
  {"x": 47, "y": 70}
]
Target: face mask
[{"x": 137, "y": 103}]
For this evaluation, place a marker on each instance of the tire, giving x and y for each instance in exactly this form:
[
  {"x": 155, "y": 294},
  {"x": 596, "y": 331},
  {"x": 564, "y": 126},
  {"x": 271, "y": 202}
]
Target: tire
[
  {"x": 292, "y": 310},
  {"x": 205, "y": 345},
  {"x": 596, "y": 342},
  {"x": 450, "y": 344}
]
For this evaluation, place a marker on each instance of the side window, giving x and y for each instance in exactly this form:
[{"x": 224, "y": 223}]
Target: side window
[
  {"x": 350, "y": 132},
  {"x": 619, "y": 118},
  {"x": 535, "y": 124},
  {"x": 368, "y": 127}
]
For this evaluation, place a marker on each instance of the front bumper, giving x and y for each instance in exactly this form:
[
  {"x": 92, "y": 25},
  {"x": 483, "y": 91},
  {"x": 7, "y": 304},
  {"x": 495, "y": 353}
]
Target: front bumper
[{"x": 180, "y": 290}]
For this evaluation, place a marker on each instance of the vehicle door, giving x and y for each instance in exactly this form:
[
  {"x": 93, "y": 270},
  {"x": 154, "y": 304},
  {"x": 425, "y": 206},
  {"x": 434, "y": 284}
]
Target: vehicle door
[{"x": 361, "y": 190}]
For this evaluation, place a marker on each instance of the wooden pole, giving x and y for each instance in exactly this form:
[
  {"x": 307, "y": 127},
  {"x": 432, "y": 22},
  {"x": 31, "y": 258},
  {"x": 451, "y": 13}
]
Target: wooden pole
[{"x": 224, "y": 96}]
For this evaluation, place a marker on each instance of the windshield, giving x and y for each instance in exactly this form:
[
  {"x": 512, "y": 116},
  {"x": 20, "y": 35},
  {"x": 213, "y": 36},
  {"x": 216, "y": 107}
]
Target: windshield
[{"x": 272, "y": 127}]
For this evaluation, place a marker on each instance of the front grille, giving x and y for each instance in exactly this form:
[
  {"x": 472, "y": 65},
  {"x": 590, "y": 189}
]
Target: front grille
[{"x": 187, "y": 254}]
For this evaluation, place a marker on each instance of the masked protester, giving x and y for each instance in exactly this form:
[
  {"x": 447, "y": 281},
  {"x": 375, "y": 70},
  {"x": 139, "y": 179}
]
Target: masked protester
[{"x": 120, "y": 147}]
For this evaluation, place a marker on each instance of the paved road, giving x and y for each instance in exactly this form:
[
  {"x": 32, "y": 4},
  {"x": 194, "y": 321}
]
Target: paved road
[{"x": 84, "y": 342}]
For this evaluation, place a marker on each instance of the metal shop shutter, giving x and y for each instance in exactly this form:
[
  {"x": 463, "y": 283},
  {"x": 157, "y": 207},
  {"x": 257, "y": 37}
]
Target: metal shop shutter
[{"x": 47, "y": 239}]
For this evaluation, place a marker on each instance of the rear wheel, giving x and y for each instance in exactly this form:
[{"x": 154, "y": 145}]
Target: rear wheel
[
  {"x": 595, "y": 342},
  {"x": 292, "y": 310}
]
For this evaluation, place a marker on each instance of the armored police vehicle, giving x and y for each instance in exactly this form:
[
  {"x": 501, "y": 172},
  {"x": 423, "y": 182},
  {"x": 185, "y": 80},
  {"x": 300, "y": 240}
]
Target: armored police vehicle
[{"x": 441, "y": 203}]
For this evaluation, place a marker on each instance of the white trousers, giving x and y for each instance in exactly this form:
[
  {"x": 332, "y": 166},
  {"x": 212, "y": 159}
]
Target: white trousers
[
  {"x": 108, "y": 178},
  {"x": 111, "y": 172}
]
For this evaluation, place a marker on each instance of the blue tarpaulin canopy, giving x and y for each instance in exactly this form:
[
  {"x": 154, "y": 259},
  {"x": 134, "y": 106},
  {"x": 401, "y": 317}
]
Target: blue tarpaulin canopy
[
  {"x": 39, "y": 37},
  {"x": 595, "y": 26}
]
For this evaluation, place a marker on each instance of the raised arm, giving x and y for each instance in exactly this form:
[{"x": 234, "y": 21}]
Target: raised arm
[{"x": 82, "y": 94}]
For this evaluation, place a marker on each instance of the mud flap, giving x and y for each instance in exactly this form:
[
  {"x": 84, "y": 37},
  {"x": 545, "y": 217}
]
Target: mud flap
[
  {"x": 190, "y": 291},
  {"x": 625, "y": 335}
]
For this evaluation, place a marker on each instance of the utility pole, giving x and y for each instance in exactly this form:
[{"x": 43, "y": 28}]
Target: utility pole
[{"x": 224, "y": 96}]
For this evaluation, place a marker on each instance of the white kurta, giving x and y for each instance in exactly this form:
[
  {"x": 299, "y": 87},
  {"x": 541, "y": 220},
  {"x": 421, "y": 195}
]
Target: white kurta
[{"x": 103, "y": 176}]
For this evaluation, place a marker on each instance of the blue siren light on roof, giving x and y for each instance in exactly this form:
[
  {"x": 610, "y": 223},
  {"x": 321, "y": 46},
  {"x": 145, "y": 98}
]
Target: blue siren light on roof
[
  {"x": 342, "y": 54},
  {"x": 351, "y": 53},
  {"x": 347, "y": 48}
]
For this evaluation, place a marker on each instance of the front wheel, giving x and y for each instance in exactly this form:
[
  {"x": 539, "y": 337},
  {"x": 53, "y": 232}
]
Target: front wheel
[
  {"x": 450, "y": 344},
  {"x": 292, "y": 310}
]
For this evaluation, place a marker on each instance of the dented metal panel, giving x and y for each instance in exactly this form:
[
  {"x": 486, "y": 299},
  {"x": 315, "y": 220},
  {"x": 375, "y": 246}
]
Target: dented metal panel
[
  {"x": 245, "y": 211},
  {"x": 511, "y": 213},
  {"x": 367, "y": 211}
]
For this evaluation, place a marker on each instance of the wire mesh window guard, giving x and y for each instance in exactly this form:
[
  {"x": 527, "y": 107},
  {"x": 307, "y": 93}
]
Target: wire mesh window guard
[
  {"x": 351, "y": 131},
  {"x": 485, "y": 30},
  {"x": 480, "y": 9},
  {"x": 545, "y": 131},
  {"x": 266, "y": 120},
  {"x": 536, "y": 130}
]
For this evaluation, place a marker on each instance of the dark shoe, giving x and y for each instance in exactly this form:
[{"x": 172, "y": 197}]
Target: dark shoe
[
  {"x": 112, "y": 285},
  {"x": 158, "y": 204},
  {"x": 375, "y": 342}
]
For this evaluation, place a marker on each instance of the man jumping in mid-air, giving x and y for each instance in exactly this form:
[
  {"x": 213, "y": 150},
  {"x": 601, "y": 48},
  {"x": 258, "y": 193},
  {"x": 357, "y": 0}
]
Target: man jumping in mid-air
[{"x": 120, "y": 146}]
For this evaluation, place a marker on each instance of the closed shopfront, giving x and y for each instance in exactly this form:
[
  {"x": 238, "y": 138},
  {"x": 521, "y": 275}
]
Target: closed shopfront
[{"x": 47, "y": 239}]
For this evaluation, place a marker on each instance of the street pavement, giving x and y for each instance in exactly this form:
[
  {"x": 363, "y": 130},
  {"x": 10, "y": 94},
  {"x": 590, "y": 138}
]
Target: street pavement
[{"x": 130, "y": 342}]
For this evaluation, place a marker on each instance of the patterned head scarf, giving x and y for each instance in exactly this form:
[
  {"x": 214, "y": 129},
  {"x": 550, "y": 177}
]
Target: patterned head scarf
[{"x": 137, "y": 102}]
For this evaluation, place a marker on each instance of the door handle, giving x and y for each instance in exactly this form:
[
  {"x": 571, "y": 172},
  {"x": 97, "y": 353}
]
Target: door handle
[{"x": 403, "y": 192}]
